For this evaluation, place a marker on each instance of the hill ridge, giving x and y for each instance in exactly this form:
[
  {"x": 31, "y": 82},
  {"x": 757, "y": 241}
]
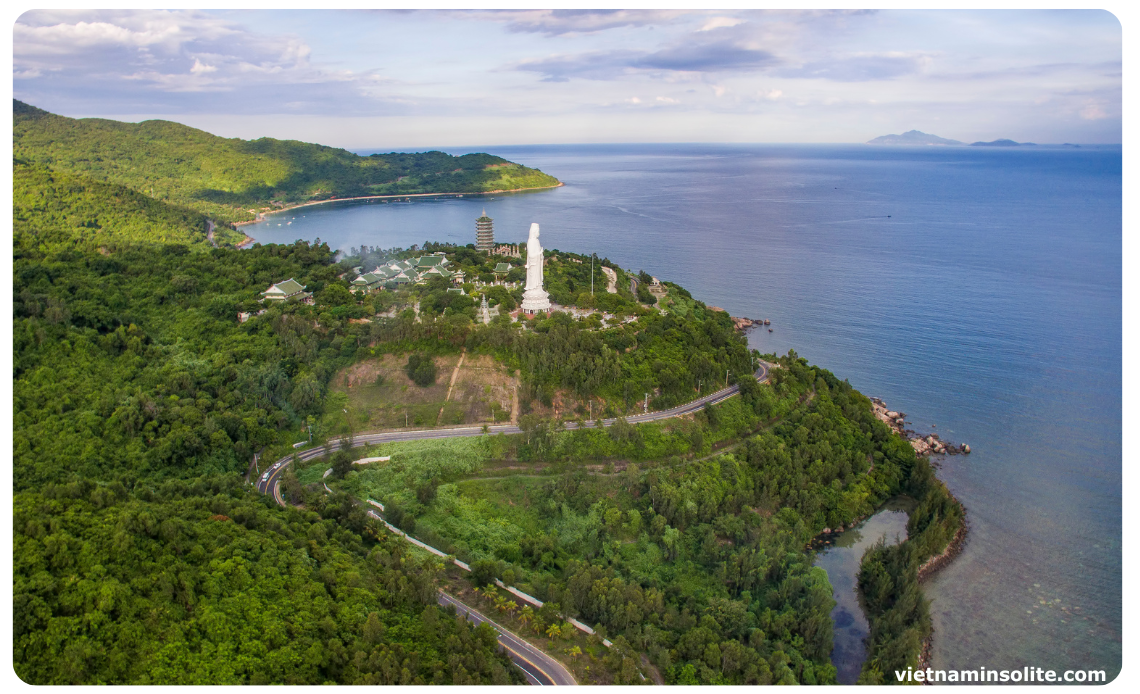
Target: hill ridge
[{"x": 230, "y": 179}]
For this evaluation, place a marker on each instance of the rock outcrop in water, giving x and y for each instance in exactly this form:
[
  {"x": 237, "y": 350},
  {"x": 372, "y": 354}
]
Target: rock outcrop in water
[
  {"x": 742, "y": 323},
  {"x": 929, "y": 444}
]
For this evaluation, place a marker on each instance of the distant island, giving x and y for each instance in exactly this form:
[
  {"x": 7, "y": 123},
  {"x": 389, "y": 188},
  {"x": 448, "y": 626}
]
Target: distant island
[
  {"x": 913, "y": 138},
  {"x": 1003, "y": 143},
  {"x": 919, "y": 138}
]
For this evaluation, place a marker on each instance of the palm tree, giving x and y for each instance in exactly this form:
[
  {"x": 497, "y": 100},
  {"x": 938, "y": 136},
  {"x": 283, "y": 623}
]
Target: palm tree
[
  {"x": 526, "y": 614},
  {"x": 553, "y": 631}
]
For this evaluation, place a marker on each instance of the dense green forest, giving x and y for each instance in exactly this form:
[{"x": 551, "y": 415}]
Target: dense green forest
[
  {"x": 205, "y": 582},
  {"x": 229, "y": 179},
  {"x": 59, "y": 209}
]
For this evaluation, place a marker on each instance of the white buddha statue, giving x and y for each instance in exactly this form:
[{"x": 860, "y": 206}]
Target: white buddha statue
[{"x": 535, "y": 297}]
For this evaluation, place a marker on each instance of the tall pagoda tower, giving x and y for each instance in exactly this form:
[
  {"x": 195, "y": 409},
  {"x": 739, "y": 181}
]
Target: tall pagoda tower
[{"x": 484, "y": 233}]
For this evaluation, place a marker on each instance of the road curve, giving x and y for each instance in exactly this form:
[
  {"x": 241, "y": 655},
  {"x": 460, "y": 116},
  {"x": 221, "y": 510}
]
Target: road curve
[
  {"x": 266, "y": 483},
  {"x": 539, "y": 668}
]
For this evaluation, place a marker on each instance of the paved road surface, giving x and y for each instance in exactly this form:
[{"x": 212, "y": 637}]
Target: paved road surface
[
  {"x": 538, "y": 667},
  {"x": 267, "y": 481}
]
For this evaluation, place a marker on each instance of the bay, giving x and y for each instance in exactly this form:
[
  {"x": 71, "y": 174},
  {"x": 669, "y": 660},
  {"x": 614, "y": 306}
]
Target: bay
[{"x": 977, "y": 290}]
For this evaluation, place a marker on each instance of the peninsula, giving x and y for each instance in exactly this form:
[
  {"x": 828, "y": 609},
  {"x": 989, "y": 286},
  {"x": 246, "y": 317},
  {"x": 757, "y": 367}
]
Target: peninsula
[
  {"x": 232, "y": 180},
  {"x": 647, "y": 481}
]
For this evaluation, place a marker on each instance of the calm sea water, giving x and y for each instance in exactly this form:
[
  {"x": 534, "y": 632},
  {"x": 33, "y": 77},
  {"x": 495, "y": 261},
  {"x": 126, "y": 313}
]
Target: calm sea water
[{"x": 977, "y": 290}]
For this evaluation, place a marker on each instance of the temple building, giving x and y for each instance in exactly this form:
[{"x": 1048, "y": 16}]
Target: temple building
[
  {"x": 289, "y": 289},
  {"x": 484, "y": 233}
]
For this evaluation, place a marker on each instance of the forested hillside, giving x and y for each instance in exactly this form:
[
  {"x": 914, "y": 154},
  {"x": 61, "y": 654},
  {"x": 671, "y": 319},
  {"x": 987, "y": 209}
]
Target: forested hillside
[
  {"x": 135, "y": 361},
  {"x": 60, "y": 209},
  {"x": 229, "y": 179},
  {"x": 206, "y": 583}
]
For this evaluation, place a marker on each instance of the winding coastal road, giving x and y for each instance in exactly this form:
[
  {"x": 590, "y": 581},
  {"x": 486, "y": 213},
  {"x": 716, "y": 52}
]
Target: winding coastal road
[
  {"x": 267, "y": 483},
  {"x": 538, "y": 667}
]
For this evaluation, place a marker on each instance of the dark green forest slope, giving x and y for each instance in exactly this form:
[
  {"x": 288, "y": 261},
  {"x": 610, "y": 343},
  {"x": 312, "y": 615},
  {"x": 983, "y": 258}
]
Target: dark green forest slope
[
  {"x": 227, "y": 178},
  {"x": 52, "y": 208},
  {"x": 206, "y": 583}
]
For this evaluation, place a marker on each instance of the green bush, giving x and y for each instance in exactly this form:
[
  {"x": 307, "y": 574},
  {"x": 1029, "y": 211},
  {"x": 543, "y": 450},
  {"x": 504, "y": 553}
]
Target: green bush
[
  {"x": 484, "y": 572},
  {"x": 421, "y": 369}
]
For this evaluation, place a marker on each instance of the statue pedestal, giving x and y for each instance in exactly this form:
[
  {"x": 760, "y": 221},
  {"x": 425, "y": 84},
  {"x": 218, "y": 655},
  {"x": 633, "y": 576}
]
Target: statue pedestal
[{"x": 535, "y": 300}]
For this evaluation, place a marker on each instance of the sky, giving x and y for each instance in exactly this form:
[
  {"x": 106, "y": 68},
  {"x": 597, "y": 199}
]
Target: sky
[{"x": 378, "y": 80}]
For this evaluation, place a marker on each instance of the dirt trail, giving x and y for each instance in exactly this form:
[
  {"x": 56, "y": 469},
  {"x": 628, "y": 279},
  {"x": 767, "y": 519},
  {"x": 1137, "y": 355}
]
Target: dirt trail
[
  {"x": 451, "y": 386},
  {"x": 515, "y": 401}
]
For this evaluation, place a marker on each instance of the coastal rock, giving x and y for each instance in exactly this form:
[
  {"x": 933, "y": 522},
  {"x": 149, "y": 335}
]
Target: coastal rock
[
  {"x": 965, "y": 449},
  {"x": 742, "y": 324}
]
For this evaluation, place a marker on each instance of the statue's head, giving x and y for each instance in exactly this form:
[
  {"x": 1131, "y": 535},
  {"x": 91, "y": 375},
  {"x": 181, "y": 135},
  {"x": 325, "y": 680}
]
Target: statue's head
[{"x": 534, "y": 230}]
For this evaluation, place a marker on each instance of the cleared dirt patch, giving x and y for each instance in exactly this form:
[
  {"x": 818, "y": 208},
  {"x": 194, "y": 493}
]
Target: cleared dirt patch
[
  {"x": 380, "y": 394},
  {"x": 483, "y": 386}
]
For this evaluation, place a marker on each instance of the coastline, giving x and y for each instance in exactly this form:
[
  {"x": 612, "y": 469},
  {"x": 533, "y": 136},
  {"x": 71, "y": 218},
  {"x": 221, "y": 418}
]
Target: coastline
[
  {"x": 926, "y": 446},
  {"x": 935, "y": 564},
  {"x": 261, "y": 215}
]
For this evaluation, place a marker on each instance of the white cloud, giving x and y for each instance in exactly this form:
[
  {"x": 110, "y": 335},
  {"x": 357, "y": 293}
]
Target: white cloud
[
  {"x": 720, "y": 22},
  {"x": 152, "y": 56},
  {"x": 200, "y": 68}
]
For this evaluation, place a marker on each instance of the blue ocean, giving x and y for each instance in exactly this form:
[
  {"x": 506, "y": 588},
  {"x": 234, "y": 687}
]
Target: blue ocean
[{"x": 978, "y": 290}]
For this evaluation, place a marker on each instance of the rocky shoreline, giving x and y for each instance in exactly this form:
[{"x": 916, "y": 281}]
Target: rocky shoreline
[
  {"x": 923, "y": 445},
  {"x": 928, "y": 445}
]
